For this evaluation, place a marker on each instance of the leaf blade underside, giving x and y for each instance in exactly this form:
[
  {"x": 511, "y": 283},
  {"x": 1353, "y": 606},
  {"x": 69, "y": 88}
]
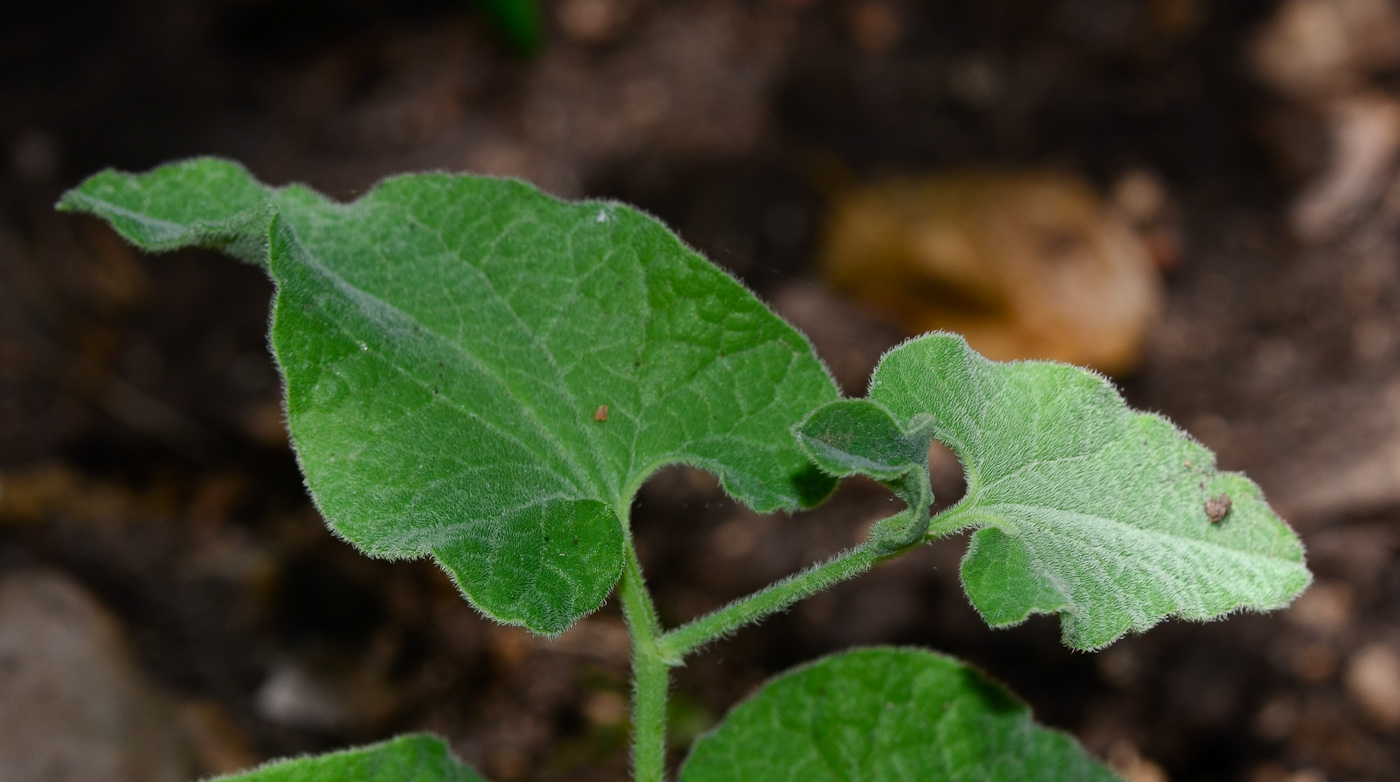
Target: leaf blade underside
[
  {"x": 447, "y": 342},
  {"x": 1083, "y": 507}
]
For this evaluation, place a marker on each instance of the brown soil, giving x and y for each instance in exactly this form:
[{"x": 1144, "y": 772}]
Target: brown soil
[{"x": 140, "y": 440}]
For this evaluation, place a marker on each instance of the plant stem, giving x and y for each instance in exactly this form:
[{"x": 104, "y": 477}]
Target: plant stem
[
  {"x": 655, "y": 652},
  {"x": 651, "y": 672},
  {"x": 769, "y": 600}
]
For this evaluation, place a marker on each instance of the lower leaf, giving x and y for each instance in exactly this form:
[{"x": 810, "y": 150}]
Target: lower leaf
[
  {"x": 415, "y": 757},
  {"x": 886, "y": 714}
]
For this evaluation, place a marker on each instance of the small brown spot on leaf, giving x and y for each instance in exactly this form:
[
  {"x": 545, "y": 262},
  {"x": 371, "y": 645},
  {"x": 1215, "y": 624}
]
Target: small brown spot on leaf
[
  {"x": 601, "y": 414},
  {"x": 1218, "y": 507}
]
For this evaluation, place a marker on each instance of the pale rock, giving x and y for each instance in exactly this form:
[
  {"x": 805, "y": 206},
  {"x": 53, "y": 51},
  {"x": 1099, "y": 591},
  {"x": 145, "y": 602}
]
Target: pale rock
[
  {"x": 1124, "y": 758},
  {"x": 74, "y": 706},
  {"x": 1025, "y": 265},
  {"x": 1364, "y": 130},
  {"x": 328, "y": 694},
  {"x": 1317, "y": 48},
  {"x": 1373, "y": 681},
  {"x": 1324, "y": 57}
]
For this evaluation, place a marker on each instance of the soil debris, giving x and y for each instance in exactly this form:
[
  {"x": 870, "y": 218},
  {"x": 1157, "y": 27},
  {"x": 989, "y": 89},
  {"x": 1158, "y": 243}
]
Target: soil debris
[
  {"x": 1025, "y": 265},
  {"x": 1373, "y": 680},
  {"x": 1218, "y": 507}
]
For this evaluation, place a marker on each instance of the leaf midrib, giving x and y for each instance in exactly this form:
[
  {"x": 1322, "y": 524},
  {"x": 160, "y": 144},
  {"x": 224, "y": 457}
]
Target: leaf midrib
[
  {"x": 353, "y": 292},
  {"x": 1133, "y": 529},
  {"x": 97, "y": 206}
]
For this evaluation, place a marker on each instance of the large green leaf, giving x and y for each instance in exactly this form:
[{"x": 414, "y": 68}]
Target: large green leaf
[
  {"x": 886, "y": 714},
  {"x": 481, "y": 372},
  {"x": 411, "y": 758},
  {"x": 1110, "y": 517}
]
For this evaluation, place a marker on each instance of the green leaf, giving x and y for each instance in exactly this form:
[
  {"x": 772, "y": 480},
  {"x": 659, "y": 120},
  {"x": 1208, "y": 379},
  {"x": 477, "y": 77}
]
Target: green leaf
[
  {"x": 480, "y": 372},
  {"x": 853, "y": 437},
  {"x": 1084, "y": 506},
  {"x": 214, "y": 204},
  {"x": 886, "y": 714},
  {"x": 411, "y": 758}
]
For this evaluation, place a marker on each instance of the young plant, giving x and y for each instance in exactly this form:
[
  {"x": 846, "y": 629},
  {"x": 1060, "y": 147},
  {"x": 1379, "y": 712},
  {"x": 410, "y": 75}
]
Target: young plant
[{"x": 482, "y": 374}]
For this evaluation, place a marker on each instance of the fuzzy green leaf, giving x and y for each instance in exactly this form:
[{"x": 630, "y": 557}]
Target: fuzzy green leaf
[
  {"x": 480, "y": 372},
  {"x": 1084, "y": 507},
  {"x": 213, "y": 204},
  {"x": 411, "y": 758},
  {"x": 886, "y": 714},
  {"x": 853, "y": 437}
]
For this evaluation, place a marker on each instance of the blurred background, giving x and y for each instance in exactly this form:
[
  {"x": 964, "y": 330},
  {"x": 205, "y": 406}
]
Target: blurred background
[{"x": 1196, "y": 197}]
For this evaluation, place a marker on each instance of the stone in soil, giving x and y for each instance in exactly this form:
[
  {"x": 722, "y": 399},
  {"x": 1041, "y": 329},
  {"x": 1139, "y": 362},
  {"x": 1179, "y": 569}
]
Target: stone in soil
[{"x": 74, "y": 706}]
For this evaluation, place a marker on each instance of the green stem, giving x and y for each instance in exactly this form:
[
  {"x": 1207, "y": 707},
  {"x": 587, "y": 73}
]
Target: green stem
[
  {"x": 746, "y": 610},
  {"x": 655, "y": 652},
  {"x": 651, "y": 670}
]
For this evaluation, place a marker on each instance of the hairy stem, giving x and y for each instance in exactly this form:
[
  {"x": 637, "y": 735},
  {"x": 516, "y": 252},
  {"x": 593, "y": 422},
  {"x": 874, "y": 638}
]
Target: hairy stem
[
  {"x": 655, "y": 652},
  {"x": 651, "y": 673},
  {"x": 769, "y": 600}
]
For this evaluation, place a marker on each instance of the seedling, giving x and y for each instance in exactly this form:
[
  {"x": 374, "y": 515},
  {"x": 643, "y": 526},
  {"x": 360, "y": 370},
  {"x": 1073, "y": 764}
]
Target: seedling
[{"x": 477, "y": 372}]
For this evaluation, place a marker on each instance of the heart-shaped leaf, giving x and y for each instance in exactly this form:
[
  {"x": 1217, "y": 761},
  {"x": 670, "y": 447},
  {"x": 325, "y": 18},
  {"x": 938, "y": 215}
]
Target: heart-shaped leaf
[
  {"x": 1113, "y": 518},
  {"x": 878, "y": 715},
  {"x": 411, "y": 758},
  {"x": 481, "y": 372}
]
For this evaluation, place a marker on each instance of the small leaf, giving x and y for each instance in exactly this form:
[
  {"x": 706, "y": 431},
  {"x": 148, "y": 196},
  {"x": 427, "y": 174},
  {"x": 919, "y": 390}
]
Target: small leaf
[
  {"x": 1084, "y": 506},
  {"x": 448, "y": 343},
  {"x": 411, "y": 758},
  {"x": 886, "y": 714},
  {"x": 853, "y": 437}
]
